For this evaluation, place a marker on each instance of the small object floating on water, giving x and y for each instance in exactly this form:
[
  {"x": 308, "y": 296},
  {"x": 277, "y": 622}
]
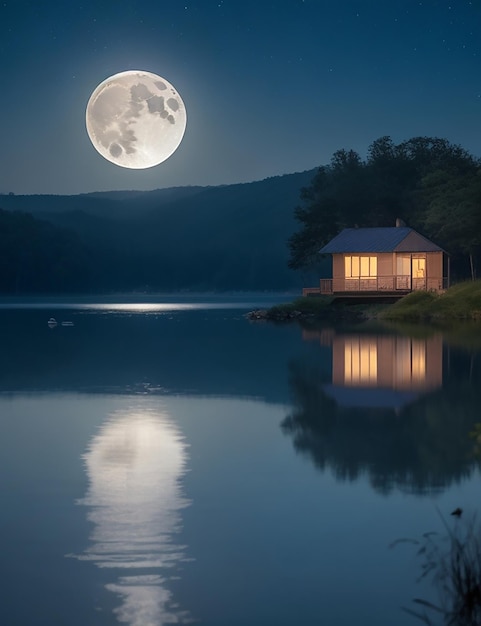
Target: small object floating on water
[
  {"x": 52, "y": 322},
  {"x": 457, "y": 512}
]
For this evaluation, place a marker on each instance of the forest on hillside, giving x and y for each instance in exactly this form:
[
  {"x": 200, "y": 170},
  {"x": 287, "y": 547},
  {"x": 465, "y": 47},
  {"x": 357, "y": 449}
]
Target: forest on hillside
[
  {"x": 225, "y": 238},
  {"x": 264, "y": 235},
  {"x": 429, "y": 183}
]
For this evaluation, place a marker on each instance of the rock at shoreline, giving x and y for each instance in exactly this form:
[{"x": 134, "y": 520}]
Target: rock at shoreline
[
  {"x": 286, "y": 315},
  {"x": 267, "y": 314}
]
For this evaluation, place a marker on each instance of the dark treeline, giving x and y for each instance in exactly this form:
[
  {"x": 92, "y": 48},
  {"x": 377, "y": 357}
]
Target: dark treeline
[
  {"x": 39, "y": 257},
  {"x": 431, "y": 184},
  {"x": 235, "y": 237},
  {"x": 231, "y": 237}
]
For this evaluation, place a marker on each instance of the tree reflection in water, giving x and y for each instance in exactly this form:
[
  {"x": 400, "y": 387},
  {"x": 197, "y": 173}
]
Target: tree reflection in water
[{"x": 420, "y": 446}]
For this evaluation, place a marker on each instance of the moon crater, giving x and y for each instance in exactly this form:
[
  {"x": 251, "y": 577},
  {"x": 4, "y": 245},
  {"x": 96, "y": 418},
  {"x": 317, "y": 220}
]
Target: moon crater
[{"x": 132, "y": 122}]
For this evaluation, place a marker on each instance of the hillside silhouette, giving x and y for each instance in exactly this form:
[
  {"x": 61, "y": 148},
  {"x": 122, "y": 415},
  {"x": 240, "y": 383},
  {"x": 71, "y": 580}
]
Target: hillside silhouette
[{"x": 229, "y": 237}]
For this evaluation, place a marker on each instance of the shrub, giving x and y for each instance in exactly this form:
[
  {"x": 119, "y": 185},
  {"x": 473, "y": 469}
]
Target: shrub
[{"x": 453, "y": 562}]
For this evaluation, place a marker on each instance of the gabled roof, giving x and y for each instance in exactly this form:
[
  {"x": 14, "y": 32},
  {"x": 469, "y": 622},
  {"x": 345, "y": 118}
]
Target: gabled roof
[{"x": 394, "y": 239}]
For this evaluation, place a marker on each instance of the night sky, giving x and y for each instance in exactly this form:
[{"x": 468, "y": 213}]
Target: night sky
[{"x": 270, "y": 87}]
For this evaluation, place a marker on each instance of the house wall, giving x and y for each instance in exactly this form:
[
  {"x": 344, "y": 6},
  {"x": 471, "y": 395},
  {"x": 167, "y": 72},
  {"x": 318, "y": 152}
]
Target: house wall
[
  {"x": 338, "y": 266},
  {"x": 385, "y": 264},
  {"x": 338, "y": 281},
  {"x": 434, "y": 264},
  {"x": 386, "y": 269}
]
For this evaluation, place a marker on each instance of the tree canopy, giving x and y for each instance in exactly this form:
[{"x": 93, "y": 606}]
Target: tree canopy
[{"x": 432, "y": 184}]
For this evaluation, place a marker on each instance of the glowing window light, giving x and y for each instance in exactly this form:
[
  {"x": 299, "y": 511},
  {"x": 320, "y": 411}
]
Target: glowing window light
[
  {"x": 360, "y": 267},
  {"x": 360, "y": 362},
  {"x": 418, "y": 361}
]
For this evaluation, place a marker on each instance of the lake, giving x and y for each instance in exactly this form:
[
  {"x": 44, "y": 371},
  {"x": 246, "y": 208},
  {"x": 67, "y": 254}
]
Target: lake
[{"x": 165, "y": 460}]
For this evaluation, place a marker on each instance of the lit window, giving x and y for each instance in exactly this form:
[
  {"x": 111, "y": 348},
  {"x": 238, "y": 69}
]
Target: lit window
[
  {"x": 419, "y": 268},
  {"x": 360, "y": 362},
  {"x": 418, "y": 360},
  {"x": 360, "y": 266},
  {"x": 409, "y": 362}
]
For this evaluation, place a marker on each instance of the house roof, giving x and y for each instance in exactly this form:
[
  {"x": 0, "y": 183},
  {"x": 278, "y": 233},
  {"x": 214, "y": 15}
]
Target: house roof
[{"x": 393, "y": 239}]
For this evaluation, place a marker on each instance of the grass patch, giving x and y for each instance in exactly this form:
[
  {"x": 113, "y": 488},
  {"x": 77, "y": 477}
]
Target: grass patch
[
  {"x": 463, "y": 301},
  {"x": 416, "y": 305}
]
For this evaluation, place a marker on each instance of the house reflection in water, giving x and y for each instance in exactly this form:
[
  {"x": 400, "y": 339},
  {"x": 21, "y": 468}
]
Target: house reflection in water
[{"x": 381, "y": 370}]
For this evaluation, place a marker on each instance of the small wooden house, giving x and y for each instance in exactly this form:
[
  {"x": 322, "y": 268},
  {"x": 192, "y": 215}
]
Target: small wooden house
[{"x": 383, "y": 261}]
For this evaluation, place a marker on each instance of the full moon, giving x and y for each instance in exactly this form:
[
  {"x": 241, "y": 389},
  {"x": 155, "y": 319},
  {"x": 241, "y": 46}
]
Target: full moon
[{"x": 135, "y": 119}]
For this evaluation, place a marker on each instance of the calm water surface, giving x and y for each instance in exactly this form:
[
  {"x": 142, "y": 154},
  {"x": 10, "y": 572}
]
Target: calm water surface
[{"x": 168, "y": 461}]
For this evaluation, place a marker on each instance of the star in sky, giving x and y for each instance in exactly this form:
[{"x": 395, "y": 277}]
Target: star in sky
[{"x": 270, "y": 88}]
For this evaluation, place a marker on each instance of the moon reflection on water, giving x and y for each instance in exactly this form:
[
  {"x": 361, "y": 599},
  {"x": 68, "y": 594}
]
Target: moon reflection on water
[{"x": 134, "y": 466}]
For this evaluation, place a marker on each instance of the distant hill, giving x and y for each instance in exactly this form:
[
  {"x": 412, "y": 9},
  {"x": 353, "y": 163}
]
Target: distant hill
[{"x": 229, "y": 237}]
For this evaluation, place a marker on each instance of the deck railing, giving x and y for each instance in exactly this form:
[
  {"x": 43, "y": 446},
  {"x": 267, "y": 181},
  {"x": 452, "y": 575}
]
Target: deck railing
[{"x": 382, "y": 284}]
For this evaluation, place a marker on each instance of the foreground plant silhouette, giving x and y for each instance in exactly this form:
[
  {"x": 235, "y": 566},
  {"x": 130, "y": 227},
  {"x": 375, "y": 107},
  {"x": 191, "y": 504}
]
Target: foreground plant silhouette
[{"x": 453, "y": 563}]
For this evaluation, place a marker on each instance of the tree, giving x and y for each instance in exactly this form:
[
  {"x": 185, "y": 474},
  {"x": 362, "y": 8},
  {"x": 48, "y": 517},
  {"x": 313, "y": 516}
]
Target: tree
[
  {"x": 394, "y": 181},
  {"x": 336, "y": 196},
  {"x": 319, "y": 215},
  {"x": 453, "y": 211}
]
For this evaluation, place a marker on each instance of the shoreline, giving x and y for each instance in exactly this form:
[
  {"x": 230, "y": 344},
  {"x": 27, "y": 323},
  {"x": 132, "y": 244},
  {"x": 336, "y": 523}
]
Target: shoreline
[
  {"x": 284, "y": 313},
  {"x": 462, "y": 302}
]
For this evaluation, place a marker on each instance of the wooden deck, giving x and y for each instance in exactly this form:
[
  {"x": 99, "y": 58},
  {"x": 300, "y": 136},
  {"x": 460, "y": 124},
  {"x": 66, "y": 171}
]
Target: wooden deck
[{"x": 388, "y": 287}]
